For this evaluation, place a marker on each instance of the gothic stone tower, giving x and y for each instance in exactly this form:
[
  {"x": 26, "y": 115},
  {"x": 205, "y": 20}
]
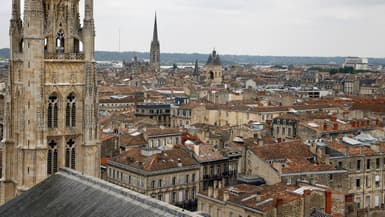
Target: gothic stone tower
[
  {"x": 213, "y": 69},
  {"x": 155, "y": 49},
  {"x": 51, "y": 104}
]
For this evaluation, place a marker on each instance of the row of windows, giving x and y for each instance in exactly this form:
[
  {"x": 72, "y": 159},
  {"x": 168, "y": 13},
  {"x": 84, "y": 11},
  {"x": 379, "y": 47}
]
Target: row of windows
[
  {"x": 52, "y": 111},
  {"x": 114, "y": 104},
  {"x": 188, "y": 195},
  {"x": 283, "y": 130},
  {"x": 226, "y": 168},
  {"x": 124, "y": 178},
  {"x": 134, "y": 181},
  {"x": 181, "y": 123},
  {"x": 368, "y": 182},
  {"x": 153, "y": 111},
  {"x": 52, "y": 156},
  {"x": 377, "y": 203},
  {"x": 368, "y": 164},
  {"x": 174, "y": 181},
  {"x": 184, "y": 113},
  {"x": 163, "y": 142}
]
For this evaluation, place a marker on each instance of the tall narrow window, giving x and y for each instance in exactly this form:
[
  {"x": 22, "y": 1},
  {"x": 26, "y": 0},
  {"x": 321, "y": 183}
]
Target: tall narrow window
[
  {"x": 60, "y": 42},
  {"x": 52, "y": 158},
  {"x": 52, "y": 112},
  {"x": 70, "y": 158},
  {"x": 71, "y": 111}
]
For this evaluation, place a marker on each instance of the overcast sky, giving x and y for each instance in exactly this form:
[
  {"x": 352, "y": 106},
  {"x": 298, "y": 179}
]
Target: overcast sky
[{"x": 255, "y": 27}]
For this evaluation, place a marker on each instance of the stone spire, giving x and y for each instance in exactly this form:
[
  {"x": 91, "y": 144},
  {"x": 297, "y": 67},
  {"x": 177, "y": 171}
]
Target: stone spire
[
  {"x": 195, "y": 73},
  {"x": 155, "y": 49},
  {"x": 155, "y": 33}
]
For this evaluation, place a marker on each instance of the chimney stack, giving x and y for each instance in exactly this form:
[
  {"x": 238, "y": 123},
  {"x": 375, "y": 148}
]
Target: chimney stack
[
  {"x": 226, "y": 196},
  {"x": 335, "y": 126},
  {"x": 307, "y": 192},
  {"x": 333, "y": 118},
  {"x": 328, "y": 202},
  {"x": 325, "y": 126},
  {"x": 216, "y": 189},
  {"x": 279, "y": 201},
  {"x": 210, "y": 191}
]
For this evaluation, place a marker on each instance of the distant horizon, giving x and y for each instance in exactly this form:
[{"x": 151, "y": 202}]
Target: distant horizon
[
  {"x": 228, "y": 54},
  {"x": 301, "y": 28}
]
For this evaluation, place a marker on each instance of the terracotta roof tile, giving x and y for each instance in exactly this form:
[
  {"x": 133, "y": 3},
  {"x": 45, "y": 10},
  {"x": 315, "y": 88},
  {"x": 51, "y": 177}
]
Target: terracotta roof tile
[
  {"x": 295, "y": 155},
  {"x": 160, "y": 131},
  {"x": 167, "y": 159}
]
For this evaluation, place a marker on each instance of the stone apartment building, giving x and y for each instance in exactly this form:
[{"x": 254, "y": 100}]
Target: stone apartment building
[
  {"x": 216, "y": 164},
  {"x": 284, "y": 127},
  {"x": 162, "y": 137},
  {"x": 118, "y": 103},
  {"x": 366, "y": 168},
  {"x": 331, "y": 126},
  {"x": 234, "y": 115},
  {"x": 291, "y": 162},
  {"x": 157, "y": 111},
  {"x": 171, "y": 176},
  {"x": 181, "y": 115},
  {"x": 277, "y": 200}
]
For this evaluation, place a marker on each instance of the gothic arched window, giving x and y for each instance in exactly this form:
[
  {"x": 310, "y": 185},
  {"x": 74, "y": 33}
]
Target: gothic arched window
[
  {"x": 52, "y": 158},
  {"x": 70, "y": 154},
  {"x": 71, "y": 111},
  {"x": 60, "y": 42},
  {"x": 52, "y": 111}
]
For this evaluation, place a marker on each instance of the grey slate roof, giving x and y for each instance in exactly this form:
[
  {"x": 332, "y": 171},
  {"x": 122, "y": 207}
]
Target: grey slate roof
[
  {"x": 319, "y": 213},
  {"x": 68, "y": 193},
  {"x": 214, "y": 59}
]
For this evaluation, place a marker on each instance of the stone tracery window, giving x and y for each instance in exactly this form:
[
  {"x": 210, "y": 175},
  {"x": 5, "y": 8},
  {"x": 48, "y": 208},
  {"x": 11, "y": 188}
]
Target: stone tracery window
[
  {"x": 60, "y": 42},
  {"x": 71, "y": 111},
  {"x": 52, "y": 111},
  {"x": 52, "y": 158},
  {"x": 70, "y": 157}
]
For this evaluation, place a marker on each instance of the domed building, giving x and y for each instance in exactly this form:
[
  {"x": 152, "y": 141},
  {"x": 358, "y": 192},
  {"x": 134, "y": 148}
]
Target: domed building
[{"x": 213, "y": 69}]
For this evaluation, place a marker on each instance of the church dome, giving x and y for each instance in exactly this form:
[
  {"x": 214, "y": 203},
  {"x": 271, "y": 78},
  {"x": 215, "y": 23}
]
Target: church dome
[{"x": 214, "y": 59}]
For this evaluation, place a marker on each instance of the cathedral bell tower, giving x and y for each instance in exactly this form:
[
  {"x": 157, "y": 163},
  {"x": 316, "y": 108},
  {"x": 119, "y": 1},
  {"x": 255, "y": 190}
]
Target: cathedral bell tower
[{"x": 51, "y": 106}]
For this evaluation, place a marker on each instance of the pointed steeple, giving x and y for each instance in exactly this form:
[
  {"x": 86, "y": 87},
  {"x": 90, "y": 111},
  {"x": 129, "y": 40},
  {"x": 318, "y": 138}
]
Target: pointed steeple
[
  {"x": 155, "y": 49},
  {"x": 155, "y": 34},
  {"x": 196, "y": 69}
]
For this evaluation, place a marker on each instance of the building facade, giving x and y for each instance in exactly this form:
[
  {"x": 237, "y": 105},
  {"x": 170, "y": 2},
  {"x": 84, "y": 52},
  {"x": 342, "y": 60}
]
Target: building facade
[
  {"x": 159, "y": 112},
  {"x": 171, "y": 176},
  {"x": 51, "y": 104},
  {"x": 270, "y": 200}
]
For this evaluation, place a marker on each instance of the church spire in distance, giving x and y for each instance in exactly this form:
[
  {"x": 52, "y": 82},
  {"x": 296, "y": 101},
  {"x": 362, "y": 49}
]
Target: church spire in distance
[
  {"x": 155, "y": 33},
  {"x": 155, "y": 48}
]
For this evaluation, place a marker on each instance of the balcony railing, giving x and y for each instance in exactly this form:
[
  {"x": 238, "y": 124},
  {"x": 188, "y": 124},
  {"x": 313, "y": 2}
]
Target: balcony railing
[{"x": 64, "y": 56}]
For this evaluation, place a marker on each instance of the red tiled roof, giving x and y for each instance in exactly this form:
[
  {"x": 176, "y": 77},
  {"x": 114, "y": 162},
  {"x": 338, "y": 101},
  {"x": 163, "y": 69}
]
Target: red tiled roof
[
  {"x": 166, "y": 160},
  {"x": 295, "y": 154},
  {"x": 160, "y": 131}
]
